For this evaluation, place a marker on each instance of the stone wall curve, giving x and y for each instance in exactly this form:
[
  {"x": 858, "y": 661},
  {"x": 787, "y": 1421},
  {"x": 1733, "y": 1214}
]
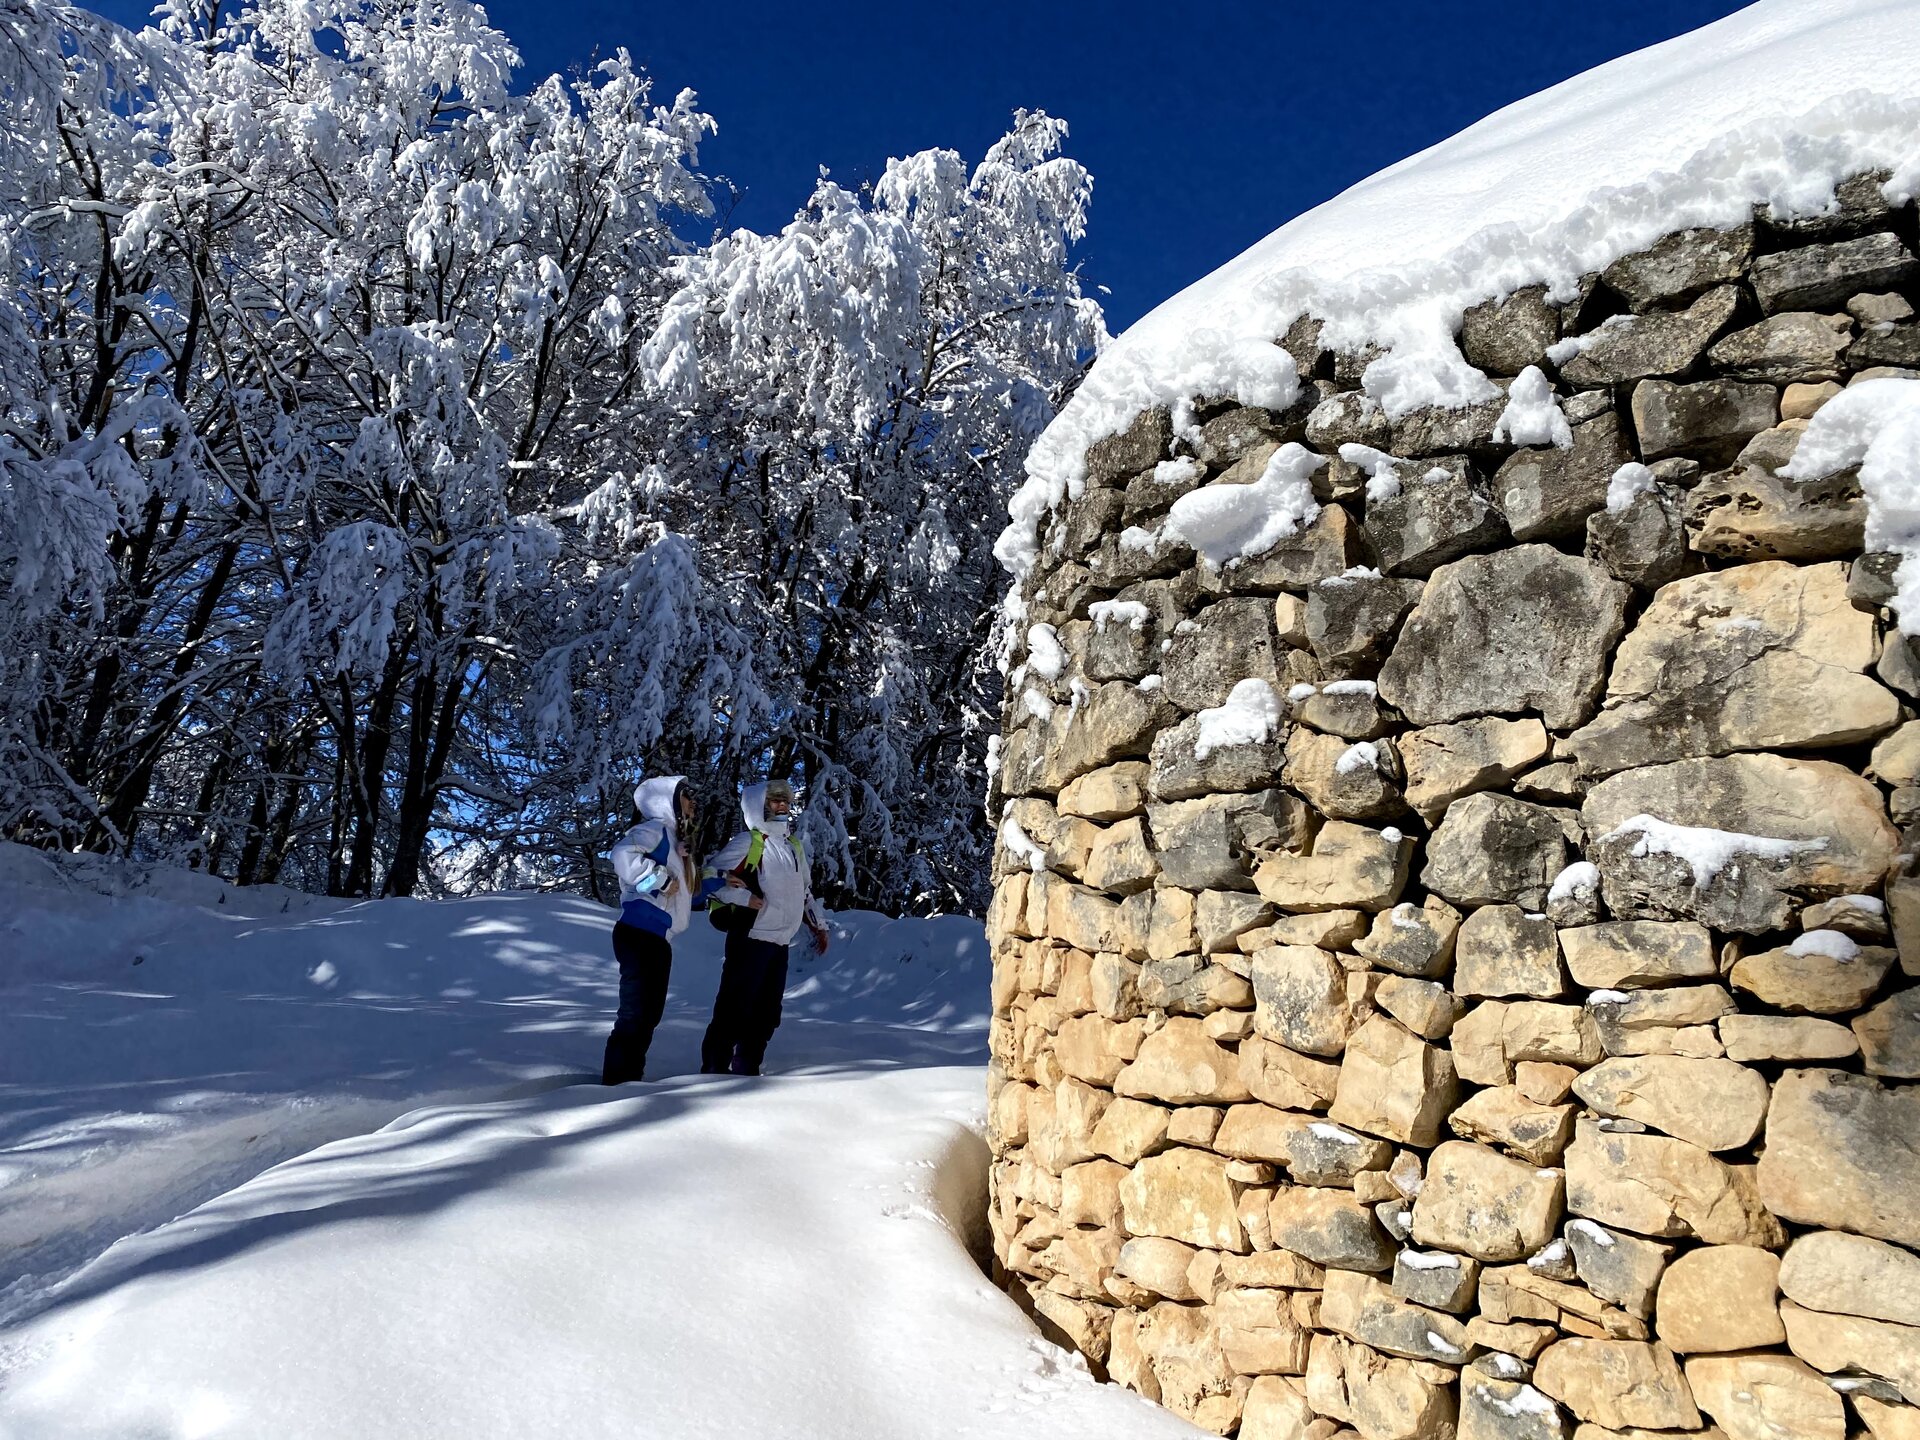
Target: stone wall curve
[{"x": 1501, "y": 1018}]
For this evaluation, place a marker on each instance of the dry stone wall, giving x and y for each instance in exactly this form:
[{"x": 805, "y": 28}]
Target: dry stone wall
[{"x": 1455, "y": 970}]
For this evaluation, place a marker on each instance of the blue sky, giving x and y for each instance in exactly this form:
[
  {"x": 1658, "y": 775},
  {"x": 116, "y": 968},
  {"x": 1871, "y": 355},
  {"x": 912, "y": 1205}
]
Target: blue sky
[{"x": 1205, "y": 128}]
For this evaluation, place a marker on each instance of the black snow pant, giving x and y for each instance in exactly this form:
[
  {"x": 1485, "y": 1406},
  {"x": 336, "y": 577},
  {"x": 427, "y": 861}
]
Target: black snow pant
[
  {"x": 645, "y": 960},
  {"x": 746, "y": 1012}
]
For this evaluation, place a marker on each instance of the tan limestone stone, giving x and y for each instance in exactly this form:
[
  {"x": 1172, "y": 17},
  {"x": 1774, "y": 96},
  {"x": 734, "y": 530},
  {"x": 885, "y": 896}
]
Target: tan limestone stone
[
  {"x": 1541, "y": 1030},
  {"x": 1445, "y": 762},
  {"x": 1812, "y": 982},
  {"x": 1094, "y": 1049},
  {"x": 1656, "y": 1185},
  {"x": 1425, "y": 1007},
  {"x": 1503, "y": 951},
  {"x": 1853, "y": 1275},
  {"x": 1630, "y": 954},
  {"x": 1184, "y": 1194},
  {"x": 1715, "y": 1104},
  {"x": 1276, "y": 1408},
  {"x": 1112, "y": 793},
  {"x": 1259, "y": 1333},
  {"x": 1329, "y": 1227},
  {"x": 1326, "y": 929},
  {"x": 1348, "y": 867},
  {"x": 1394, "y": 1084},
  {"x": 1412, "y": 939},
  {"x": 1170, "y": 929},
  {"x": 1128, "y": 1129},
  {"x": 1120, "y": 861},
  {"x": 1618, "y": 1383},
  {"x": 1479, "y": 1047},
  {"x": 1840, "y": 1154},
  {"x": 1286, "y": 1078},
  {"x": 1848, "y": 1342},
  {"x": 1300, "y": 999},
  {"x": 1543, "y": 1082},
  {"x": 1083, "y": 918},
  {"x": 1766, "y": 1397},
  {"x": 1158, "y": 1264},
  {"x": 1885, "y": 1421},
  {"x": 1481, "y": 1203},
  {"x": 1090, "y": 1193},
  {"x": 1504, "y": 1118},
  {"x": 1273, "y": 1269},
  {"x": 1182, "y": 1065},
  {"x": 1363, "y": 1308},
  {"x": 1259, "y": 1132},
  {"x": 1889, "y": 1036},
  {"x": 1721, "y": 1297},
  {"x": 1797, "y": 1038}
]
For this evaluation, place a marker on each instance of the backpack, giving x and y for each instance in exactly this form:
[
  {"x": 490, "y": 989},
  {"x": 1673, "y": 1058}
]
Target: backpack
[{"x": 732, "y": 919}]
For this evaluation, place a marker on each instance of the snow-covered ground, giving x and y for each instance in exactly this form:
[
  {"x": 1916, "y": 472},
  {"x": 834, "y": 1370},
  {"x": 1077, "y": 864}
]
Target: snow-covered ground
[{"x": 526, "y": 1255}]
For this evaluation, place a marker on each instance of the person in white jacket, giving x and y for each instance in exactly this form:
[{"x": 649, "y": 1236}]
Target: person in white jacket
[
  {"x": 765, "y": 879},
  {"x": 657, "y": 884}
]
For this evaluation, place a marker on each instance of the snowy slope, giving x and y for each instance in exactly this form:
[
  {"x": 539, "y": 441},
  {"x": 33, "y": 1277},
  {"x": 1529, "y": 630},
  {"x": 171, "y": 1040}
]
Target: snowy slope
[
  {"x": 1772, "y": 105},
  {"x": 164, "y": 1037},
  {"x": 692, "y": 1256}
]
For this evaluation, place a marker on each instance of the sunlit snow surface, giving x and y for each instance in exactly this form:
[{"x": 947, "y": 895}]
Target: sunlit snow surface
[
  {"x": 716, "y": 1256},
  {"x": 1772, "y": 105}
]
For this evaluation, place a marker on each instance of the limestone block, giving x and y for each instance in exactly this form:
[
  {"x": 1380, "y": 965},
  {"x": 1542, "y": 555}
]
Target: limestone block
[
  {"x": 1276, "y": 1409},
  {"x": 1762, "y": 656},
  {"x": 1848, "y": 1342},
  {"x": 1840, "y": 1154},
  {"x": 1394, "y": 1084},
  {"x": 1618, "y": 1268},
  {"x": 1885, "y": 1421},
  {"x": 1631, "y": 954},
  {"x": 1659, "y": 1186},
  {"x": 1090, "y": 1193},
  {"x": 1618, "y": 1383},
  {"x": 1192, "y": 985},
  {"x": 1325, "y": 1154},
  {"x": 1221, "y": 917},
  {"x": 1330, "y": 544},
  {"x": 1479, "y": 1046},
  {"x": 1541, "y": 1030},
  {"x": 1120, "y": 861},
  {"x": 1765, "y": 1397},
  {"x": 1346, "y": 780},
  {"x": 1644, "y": 544},
  {"x": 1501, "y": 950},
  {"x": 1129, "y": 1129},
  {"x": 1426, "y": 1007},
  {"x": 1889, "y": 1036},
  {"x": 1084, "y": 918},
  {"x": 1094, "y": 1049},
  {"x": 1681, "y": 264},
  {"x": 1300, "y": 999},
  {"x": 1259, "y": 1333},
  {"x": 1793, "y": 347},
  {"x": 1814, "y": 827},
  {"x": 1826, "y": 276},
  {"x": 1662, "y": 342},
  {"x": 1715, "y": 1104},
  {"x": 1496, "y": 1409},
  {"x": 1526, "y": 629},
  {"x": 1721, "y": 1297},
  {"x": 1259, "y": 1132},
  {"x": 1548, "y": 492},
  {"x": 1158, "y": 1264},
  {"x": 1329, "y": 1227},
  {"x": 1284, "y": 1078},
  {"x": 1410, "y": 939},
  {"x": 1363, "y": 1308},
  {"x": 1348, "y": 867},
  {"x": 1184, "y": 1194},
  {"x": 1354, "y": 617},
  {"x": 1194, "y": 1124},
  {"x": 1505, "y": 336},
  {"x": 1446, "y": 513},
  {"x": 1500, "y": 1116},
  {"x": 1117, "y": 722},
  {"x": 1542, "y": 1082},
  {"x": 1393, "y": 1399},
  {"x": 1792, "y": 1038},
  {"x": 1492, "y": 849},
  {"x": 1115, "y": 983},
  {"x": 1853, "y": 1275},
  {"x": 1752, "y": 512},
  {"x": 1182, "y": 1065},
  {"x": 1445, "y": 762},
  {"x": 1821, "y": 978},
  {"x": 1206, "y": 844},
  {"x": 1481, "y": 1203},
  {"x": 1436, "y": 1279}
]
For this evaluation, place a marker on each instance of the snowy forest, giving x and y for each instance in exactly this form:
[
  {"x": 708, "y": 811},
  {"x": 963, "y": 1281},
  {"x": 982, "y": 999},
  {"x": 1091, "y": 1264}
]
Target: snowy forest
[{"x": 399, "y": 458}]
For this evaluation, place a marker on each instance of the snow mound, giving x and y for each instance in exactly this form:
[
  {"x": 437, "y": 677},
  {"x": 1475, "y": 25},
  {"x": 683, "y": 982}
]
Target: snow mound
[{"x": 1774, "y": 105}]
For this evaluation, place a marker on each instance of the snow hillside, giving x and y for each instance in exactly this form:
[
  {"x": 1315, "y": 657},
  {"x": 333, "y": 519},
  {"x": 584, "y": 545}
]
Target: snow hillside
[
  {"x": 691, "y": 1256},
  {"x": 1773, "y": 105}
]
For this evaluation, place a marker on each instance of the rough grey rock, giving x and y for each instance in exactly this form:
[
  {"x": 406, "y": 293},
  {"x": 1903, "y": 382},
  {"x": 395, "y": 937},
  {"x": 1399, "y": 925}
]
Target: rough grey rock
[
  {"x": 1491, "y": 849},
  {"x": 1149, "y": 493},
  {"x": 1113, "y": 650},
  {"x": 1084, "y": 523},
  {"x": 1620, "y": 1268},
  {"x": 1348, "y": 708},
  {"x": 1859, "y": 204},
  {"x": 1753, "y": 514},
  {"x": 1233, "y": 433},
  {"x": 1355, "y": 617},
  {"x": 1791, "y": 348},
  {"x": 1524, "y": 629},
  {"x": 1633, "y": 347},
  {"x": 1437, "y": 431},
  {"x": 1331, "y": 544},
  {"x": 1837, "y": 839},
  {"x": 1644, "y": 544},
  {"x": 1436, "y": 1279},
  {"x": 1757, "y": 657},
  {"x": 1211, "y": 843},
  {"x": 1351, "y": 418},
  {"x": 1139, "y": 447},
  {"x": 1547, "y": 493},
  {"x": 1681, "y": 265},
  {"x": 1819, "y": 277},
  {"x": 1505, "y": 336},
  {"x": 1434, "y": 520},
  {"x": 1895, "y": 345},
  {"x": 1707, "y": 421},
  {"x": 1227, "y": 642},
  {"x": 1179, "y": 773}
]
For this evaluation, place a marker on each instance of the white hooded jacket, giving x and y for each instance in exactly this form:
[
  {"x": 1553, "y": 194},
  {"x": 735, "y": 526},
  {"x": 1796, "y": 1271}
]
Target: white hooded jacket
[
  {"x": 786, "y": 884},
  {"x": 656, "y": 878}
]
